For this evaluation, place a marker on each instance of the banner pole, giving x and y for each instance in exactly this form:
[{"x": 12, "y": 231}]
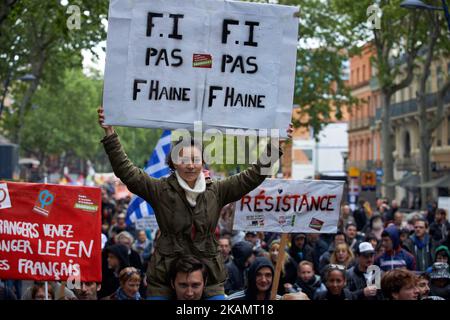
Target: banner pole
[
  {"x": 280, "y": 261},
  {"x": 46, "y": 290},
  {"x": 46, "y": 282}
]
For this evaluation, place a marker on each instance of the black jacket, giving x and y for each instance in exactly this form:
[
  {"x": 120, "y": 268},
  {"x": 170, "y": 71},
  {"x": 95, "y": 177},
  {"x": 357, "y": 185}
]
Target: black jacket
[
  {"x": 241, "y": 251},
  {"x": 251, "y": 292},
  {"x": 289, "y": 275},
  {"x": 440, "y": 292},
  {"x": 436, "y": 231},
  {"x": 300, "y": 254},
  {"x": 110, "y": 281},
  {"x": 325, "y": 295},
  {"x": 310, "y": 287},
  {"x": 356, "y": 283}
]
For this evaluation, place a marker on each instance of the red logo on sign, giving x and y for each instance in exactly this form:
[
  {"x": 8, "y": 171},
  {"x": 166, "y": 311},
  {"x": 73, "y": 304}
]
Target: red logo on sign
[{"x": 201, "y": 60}]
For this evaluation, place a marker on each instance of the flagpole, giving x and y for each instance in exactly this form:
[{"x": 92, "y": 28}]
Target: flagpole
[{"x": 46, "y": 282}]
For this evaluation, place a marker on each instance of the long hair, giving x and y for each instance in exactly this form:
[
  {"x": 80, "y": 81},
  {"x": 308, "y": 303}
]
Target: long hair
[
  {"x": 342, "y": 246},
  {"x": 286, "y": 255}
]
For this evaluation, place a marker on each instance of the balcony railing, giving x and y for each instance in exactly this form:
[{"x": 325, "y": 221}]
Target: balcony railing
[{"x": 410, "y": 106}]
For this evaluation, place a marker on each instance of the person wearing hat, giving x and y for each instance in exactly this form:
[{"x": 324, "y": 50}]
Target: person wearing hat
[
  {"x": 357, "y": 276},
  {"x": 440, "y": 280},
  {"x": 300, "y": 250},
  {"x": 394, "y": 257},
  {"x": 243, "y": 256},
  {"x": 441, "y": 254},
  {"x": 260, "y": 277}
]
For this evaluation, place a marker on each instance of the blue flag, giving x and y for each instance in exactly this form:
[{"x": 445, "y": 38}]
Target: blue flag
[{"x": 156, "y": 167}]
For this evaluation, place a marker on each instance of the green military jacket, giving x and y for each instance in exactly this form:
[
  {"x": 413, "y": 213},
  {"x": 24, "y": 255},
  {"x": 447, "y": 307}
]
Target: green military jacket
[{"x": 184, "y": 230}]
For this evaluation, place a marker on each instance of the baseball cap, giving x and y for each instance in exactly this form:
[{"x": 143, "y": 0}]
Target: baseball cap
[
  {"x": 121, "y": 215},
  {"x": 365, "y": 248}
]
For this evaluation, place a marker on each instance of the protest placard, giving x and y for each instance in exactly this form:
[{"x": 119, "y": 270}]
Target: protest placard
[
  {"x": 50, "y": 232},
  {"x": 288, "y": 206},
  {"x": 229, "y": 64}
]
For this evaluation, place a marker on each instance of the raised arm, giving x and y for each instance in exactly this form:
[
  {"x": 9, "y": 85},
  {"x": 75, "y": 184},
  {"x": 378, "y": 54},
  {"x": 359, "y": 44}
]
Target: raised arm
[{"x": 136, "y": 179}]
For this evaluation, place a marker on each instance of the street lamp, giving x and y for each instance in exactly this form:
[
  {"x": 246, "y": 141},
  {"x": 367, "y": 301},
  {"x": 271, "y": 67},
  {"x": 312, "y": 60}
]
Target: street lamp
[{"x": 418, "y": 4}]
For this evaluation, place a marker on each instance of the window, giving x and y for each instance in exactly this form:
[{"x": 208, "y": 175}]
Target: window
[
  {"x": 439, "y": 76},
  {"x": 364, "y": 73},
  {"x": 411, "y": 92},
  {"x": 407, "y": 145},
  {"x": 357, "y": 75}
]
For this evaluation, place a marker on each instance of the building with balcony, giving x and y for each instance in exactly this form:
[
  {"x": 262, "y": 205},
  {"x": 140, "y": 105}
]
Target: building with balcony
[
  {"x": 404, "y": 119},
  {"x": 364, "y": 139}
]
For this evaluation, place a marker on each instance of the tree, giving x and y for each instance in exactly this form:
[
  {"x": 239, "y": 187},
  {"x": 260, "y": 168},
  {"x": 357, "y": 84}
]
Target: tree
[
  {"x": 397, "y": 43},
  {"x": 437, "y": 46},
  {"x": 38, "y": 41},
  {"x": 63, "y": 120},
  {"x": 321, "y": 91},
  {"x": 63, "y": 123}
]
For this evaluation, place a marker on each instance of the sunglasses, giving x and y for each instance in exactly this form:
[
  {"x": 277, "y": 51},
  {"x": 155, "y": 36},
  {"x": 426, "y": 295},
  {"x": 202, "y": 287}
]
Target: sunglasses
[{"x": 336, "y": 267}]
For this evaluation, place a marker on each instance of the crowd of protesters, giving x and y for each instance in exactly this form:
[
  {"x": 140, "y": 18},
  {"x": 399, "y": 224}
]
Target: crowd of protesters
[{"x": 411, "y": 251}]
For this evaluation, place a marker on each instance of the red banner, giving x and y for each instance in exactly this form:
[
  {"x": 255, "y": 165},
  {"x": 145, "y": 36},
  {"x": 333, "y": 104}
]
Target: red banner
[{"x": 50, "y": 232}]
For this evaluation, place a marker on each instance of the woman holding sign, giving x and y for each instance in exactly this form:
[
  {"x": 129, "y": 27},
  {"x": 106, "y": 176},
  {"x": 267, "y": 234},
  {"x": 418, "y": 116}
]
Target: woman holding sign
[{"x": 187, "y": 208}]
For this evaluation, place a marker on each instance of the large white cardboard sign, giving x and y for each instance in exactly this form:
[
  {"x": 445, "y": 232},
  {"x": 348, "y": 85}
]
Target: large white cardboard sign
[
  {"x": 290, "y": 206},
  {"x": 229, "y": 64}
]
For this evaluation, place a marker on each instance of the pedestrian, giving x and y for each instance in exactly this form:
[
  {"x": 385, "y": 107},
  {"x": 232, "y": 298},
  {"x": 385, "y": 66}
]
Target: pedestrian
[
  {"x": 115, "y": 260},
  {"x": 188, "y": 277},
  {"x": 399, "y": 284},
  {"x": 87, "y": 290},
  {"x": 394, "y": 256},
  {"x": 120, "y": 226},
  {"x": 130, "y": 280},
  {"x": 260, "y": 277},
  {"x": 338, "y": 238},
  {"x": 419, "y": 244},
  {"x": 38, "y": 291},
  {"x": 440, "y": 280},
  {"x": 307, "y": 281},
  {"x": 142, "y": 244},
  {"x": 440, "y": 227},
  {"x": 225, "y": 249},
  {"x": 125, "y": 238},
  {"x": 423, "y": 284},
  {"x": 358, "y": 275},
  {"x": 375, "y": 226},
  {"x": 186, "y": 206},
  {"x": 300, "y": 250},
  {"x": 353, "y": 239},
  {"x": 335, "y": 282},
  {"x": 243, "y": 257},
  {"x": 343, "y": 256},
  {"x": 288, "y": 270}
]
